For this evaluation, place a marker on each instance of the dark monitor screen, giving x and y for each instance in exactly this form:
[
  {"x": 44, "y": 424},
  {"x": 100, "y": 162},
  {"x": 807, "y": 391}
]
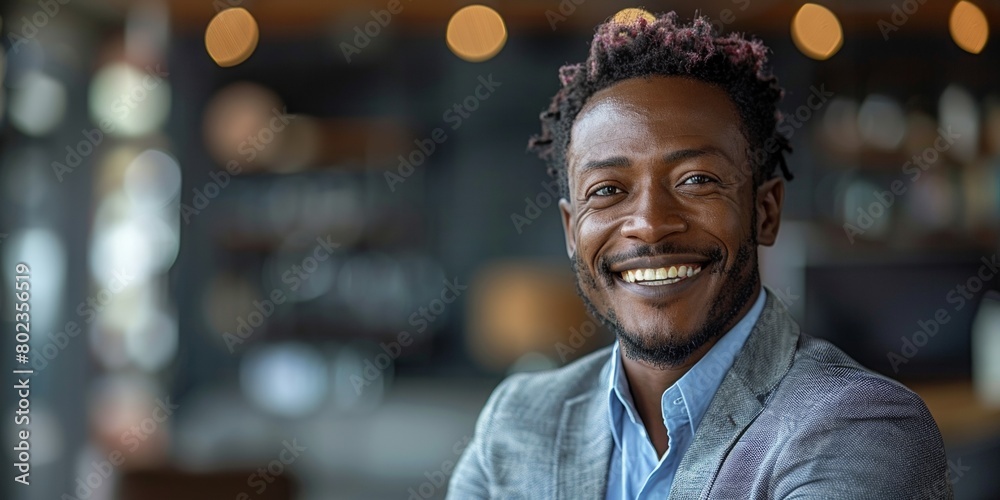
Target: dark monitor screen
[{"x": 886, "y": 316}]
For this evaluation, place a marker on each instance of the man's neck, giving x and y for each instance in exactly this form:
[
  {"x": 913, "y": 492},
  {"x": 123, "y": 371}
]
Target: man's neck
[{"x": 647, "y": 383}]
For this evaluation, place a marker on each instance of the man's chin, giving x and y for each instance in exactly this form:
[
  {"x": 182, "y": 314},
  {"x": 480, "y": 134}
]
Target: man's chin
[
  {"x": 663, "y": 344},
  {"x": 664, "y": 330}
]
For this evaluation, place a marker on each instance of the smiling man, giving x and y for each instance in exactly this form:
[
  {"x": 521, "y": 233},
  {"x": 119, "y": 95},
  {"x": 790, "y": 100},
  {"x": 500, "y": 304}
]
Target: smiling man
[{"x": 665, "y": 145}]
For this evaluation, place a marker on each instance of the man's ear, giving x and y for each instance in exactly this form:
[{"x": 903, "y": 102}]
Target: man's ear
[
  {"x": 770, "y": 196},
  {"x": 565, "y": 209}
]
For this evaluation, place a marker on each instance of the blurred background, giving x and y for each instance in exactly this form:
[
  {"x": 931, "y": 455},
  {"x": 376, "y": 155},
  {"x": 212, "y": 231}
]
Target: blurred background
[{"x": 286, "y": 249}]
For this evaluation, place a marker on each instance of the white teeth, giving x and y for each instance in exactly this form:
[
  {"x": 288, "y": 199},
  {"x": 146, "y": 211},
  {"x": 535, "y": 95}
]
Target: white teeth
[{"x": 660, "y": 275}]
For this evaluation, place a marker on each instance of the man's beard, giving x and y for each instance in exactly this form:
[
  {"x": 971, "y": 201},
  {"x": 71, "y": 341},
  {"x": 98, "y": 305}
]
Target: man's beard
[{"x": 672, "y": 349}]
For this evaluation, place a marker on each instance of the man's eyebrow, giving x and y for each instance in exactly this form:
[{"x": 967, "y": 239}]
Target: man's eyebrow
[
  {"x": 614, "y": 161},
  {"x": 672, "y": 157},
  {"x": 685, "y": 154}
]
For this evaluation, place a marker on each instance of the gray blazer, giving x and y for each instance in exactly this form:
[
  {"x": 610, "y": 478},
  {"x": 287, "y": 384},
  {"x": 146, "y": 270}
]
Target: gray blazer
[{"x": 794, "y": 417}]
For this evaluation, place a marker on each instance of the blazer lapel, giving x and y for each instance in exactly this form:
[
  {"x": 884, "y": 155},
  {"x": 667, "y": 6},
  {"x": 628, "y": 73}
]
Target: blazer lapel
[
  {"x": 584, "y": 443},
  {"x": 757, "y": 369}
]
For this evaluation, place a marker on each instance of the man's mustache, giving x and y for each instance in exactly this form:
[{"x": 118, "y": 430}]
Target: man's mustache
[{"x": 712, "y": 254}]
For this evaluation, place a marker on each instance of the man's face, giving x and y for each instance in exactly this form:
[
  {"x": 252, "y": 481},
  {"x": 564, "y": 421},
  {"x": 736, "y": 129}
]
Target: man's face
[{"x": 663, "y": 220}]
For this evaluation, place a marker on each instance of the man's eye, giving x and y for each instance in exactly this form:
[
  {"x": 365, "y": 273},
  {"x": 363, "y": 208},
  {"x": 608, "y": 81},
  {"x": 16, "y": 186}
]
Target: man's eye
[
  {"x": 698, "y": 179},
  {"x": 606, "y": 191}
]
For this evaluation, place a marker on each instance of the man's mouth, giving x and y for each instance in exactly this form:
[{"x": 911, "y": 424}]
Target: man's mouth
[{"x": 659, "y": 276}]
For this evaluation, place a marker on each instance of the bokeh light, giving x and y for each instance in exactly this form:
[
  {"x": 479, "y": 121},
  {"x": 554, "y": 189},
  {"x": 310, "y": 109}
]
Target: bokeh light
[
  {"x": 124, "y": 308},
  {"x": 43, "y": 249},
  {"x": 882, "y": 122},
  {"x": 969, "y": 27},
  {"x": 152, "y": 179},
  {"x": 37, "y": 103},
  {"x": 121, "y": 402},
  {"x": 816, "y": 31},
  {"x": 129, "y": 102},
  {"x": 476, "y": 33},
  {"x": 288, "y": 380},
  {"x": 233, "y": 122},
  {"x": 128, "y": 240},
  {"x": 231, "y": 37},
  {"x": 631, "y": 15}
]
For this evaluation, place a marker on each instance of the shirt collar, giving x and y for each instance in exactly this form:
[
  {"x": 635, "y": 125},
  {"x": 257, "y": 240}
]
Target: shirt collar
[{"x": 697, "y": 387}]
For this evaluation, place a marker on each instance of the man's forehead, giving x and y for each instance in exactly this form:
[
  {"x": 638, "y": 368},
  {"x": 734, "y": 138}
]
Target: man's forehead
[
  {"x": 657, "y": 91},
  {"x": 655, "y": 112}
]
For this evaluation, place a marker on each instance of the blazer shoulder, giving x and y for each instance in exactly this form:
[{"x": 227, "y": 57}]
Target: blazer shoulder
[
  {"x": 826, "y": 360},
  {"x": 824, "y": 376},
  {"x": 831, "y": 417}
]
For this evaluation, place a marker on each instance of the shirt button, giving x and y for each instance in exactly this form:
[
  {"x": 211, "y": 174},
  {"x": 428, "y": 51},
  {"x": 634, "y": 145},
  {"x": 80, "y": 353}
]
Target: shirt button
[{"x": 678, "y": 401}]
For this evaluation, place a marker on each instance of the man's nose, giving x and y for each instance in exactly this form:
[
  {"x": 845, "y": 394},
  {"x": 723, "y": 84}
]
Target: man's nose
[{"x": 656, "y": 213}]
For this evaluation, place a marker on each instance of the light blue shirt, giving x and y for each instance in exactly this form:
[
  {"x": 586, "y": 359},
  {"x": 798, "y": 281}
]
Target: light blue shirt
[{"x": 636, "y": 472}]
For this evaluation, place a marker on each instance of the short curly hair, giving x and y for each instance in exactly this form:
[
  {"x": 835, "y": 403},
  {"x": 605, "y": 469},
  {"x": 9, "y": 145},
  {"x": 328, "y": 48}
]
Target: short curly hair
[{"x": 664, "y": 47}]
